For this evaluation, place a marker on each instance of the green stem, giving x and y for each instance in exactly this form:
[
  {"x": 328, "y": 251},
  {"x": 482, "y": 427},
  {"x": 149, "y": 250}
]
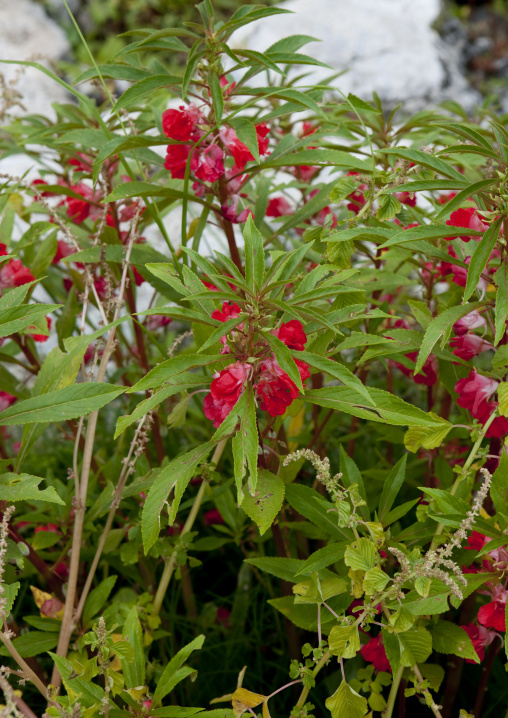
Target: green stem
[
  {"x": 465, "y": 468},
  {"x": 305, "y": 689},
  {"x": 393, "y": 693},
  {"x": 170, "y": 562}
]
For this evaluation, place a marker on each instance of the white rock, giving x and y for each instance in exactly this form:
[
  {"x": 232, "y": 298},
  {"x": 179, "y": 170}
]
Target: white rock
[
  {"x": 26, "y": 33},
  {"x": 387, "y": 46}
]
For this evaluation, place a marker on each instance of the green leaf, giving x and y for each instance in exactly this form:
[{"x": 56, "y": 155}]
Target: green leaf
[
  {"x": 10, "y": 593},
  {"x": 266, "y": 503},
  {"x": 173, "y": 477},
  {"x": 32, "y": 644},
  {"x": 285, "y": 568},
  {"x": 327, "y": 158},
  {"x": 246, "y": 132},
  {"x": 17, "y": 318},
  {"x": 97, "y": 598},
  {"x": 68, "y": 403},
  {"x": 499, "y": 486},
  {"x": 344, "y": 641},
  {"x": 501, "y": 310},
  {"x": 391, "y": 488},
  {"x": 375, "y": 581},
  {"x": 344, "y": 187},
  {"x": 426, "y": 160},
  {"x": 450, "y": 638},
  {"x": 169, "y": 678},
  {"x": 221, "y": 331},
  {"x": 440, "y": 328},
  {"x": 430, "y": 438},
  {"x": 284, "y": 358},
  {"x": 305, "y": 615},
  {"x": 416, "y": 645},
  {"x": 338, "y": 371},
  {"x": 502, "y": 394},
  {"x": 346, "y": 703},
  {"x": 310, "y": 504},
  {"x": 361, "y": 555},
  {"x": 24, "y": 487},
  {"x": 463, "y": 196},
  {"x": 170, "y": 368},
  {"x": 245, "y": 446},
  {"x": 480, "y": 258},
  {"x": 351, "y": 475},
  {"x": 389, "y": 207},
  {"x": 141, "y": 89},
  {"x": 323, "y": 557},
  {"x": 217, "y": 96},
  {"x": 254, "y": 255}
]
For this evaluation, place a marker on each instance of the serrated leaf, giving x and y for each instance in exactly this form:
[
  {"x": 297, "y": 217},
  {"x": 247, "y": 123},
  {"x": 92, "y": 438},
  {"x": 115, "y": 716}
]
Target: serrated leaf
[
  {"x": 338, "y": 371},
  {"x": 18, "y": 318},
  {"x": 346, "y": 703},
  {"x": 416, "y": 646},
  {"x": 170, "y": 368},
  {"x": 501, "y": 309},
  {"x": 422, "y": 585},
  {"x": 343, "y": 189},
  {"x": 389, "y": 207},
  {"x": 245, "y": 446},
  {"x": 480, "y": 257},
  {"x": 361, "y": 555},
  {"x": 426, "y": 160},
  {"x": 68, "y": 403},
  {"x": 267, "y": 501},
  {"x": 440, "y": 328},
  {"x": 426, "y": 437},
  {"x": 449, "y": 638},
  {"x": 24, "y": 487},
  {"x": 375, "y": 581},
  {"x": 344, "y": 641}
]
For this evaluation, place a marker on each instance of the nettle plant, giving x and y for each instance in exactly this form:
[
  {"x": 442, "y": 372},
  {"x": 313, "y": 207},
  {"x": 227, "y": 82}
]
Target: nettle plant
[{"x": 261, "y": 379}]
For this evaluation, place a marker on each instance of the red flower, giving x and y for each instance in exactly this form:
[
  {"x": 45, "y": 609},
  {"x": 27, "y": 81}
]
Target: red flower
[
  {"x": 480, "y": 637},
  {"x": 473, "y": 320},
  {"x": 499, "y": 426},
  {"x": 82, "y": 162},
  {"x": 466, "y": 217},
  {"x": 138, "y": 277},
  {"x": 469, "y": 346},
  {"x": 275, "y": 390},
  {"x": 292, "y": 334},
  {"x": 178, "y": 124},
  {"x": 176, "y": 160},
  {"x": 156, "y": 321},
  {"x": 262, "y": 131},
  {"x": 278, "y": 207},
  {"x": 427, "y": 374},
  {"x": 222, "y": 616},
  {"x": 476, "y": 541},
  {"x": 14, "y": 274},
  {"x": 445, "y": 198},
  {"x": 208, "y": 164},
  {"x": 240, "y": 152},
  {"x": 474, "y": 392},
  {"x": 42, "y": 337},
  {"x": 6, "y": 400},
  {"x": 492, "y": 615},
  {"x": 225, "y": 390},
  {"x": 229, "y": 311},
  {"x": 50, "y": 528},
  {"x": 213, "y": 516},
  {"x": 63, "y": 250},
  {"x": 374, "y": 652}
]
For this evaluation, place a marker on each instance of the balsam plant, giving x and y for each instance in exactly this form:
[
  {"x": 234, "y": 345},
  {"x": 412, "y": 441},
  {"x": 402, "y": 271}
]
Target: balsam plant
[{"x": 252, "y": 388}]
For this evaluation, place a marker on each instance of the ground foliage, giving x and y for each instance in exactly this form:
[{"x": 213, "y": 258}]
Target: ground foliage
[{"x": 253, "y": 400}]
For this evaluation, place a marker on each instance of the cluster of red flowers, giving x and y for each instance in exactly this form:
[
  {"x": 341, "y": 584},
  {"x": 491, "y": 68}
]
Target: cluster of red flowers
[
  {"x": 188, "y": 125},
  {"x": 274, "y": 389},
  {"x": 13, "y": 273}
]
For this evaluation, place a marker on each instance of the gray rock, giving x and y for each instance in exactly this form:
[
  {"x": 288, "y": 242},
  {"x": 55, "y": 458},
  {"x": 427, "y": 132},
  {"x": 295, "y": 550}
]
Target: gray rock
[
  {"x": 26, "y": 33},
  {"x": 386, "y": 46}
]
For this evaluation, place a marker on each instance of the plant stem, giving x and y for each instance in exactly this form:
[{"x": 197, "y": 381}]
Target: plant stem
[
  {"x": 24, "y": 666},
  {"x": 170, "y": 562},
  {"x": 305, "y": 689},
  {"x": 393, "y": 693},
  {"x": 433, "y": 707}
]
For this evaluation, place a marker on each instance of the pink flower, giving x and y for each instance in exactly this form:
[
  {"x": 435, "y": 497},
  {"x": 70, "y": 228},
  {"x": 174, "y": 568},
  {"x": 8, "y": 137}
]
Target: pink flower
[
  {"x": 292, "y": 334},
  {"x": 6, "y": 400},
  {"x": 374, "y": 652},
  {"x": 176, "y": 160},
  {"x": 480, "y": 638},
  {"x": 466, "y": 217},
  {"x": 208, "y": 164},
  {"x": 473, "y": 320},
  {"x": 499, "y": 427},
  {"x": 14, "y": 274},
  {"x": 468, "y": 346},
  {"x": 278, "y": 207},
  {"x": 228, "y": 311},
  {"x": 405, "y": 198},
  {"x": 474, "y": 392}
]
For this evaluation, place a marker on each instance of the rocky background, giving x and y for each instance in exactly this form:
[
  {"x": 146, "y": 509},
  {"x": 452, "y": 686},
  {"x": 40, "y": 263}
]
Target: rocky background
[{"x": 420, "y": 52}]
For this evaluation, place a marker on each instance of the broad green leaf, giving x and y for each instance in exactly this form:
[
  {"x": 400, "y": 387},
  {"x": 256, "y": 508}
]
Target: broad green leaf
[
  {"x": 480, "y": 257},
  {"x": 18, "y": 318},
  {"x": 338, "y": 371},
  {"x": 141, "y": 89},
  {"x": 68, "y": 403},
  {"x": 430, "y": 438},
  {"x": 440, "y": 328},
  {"x": 168, "y": 679},
  {"x": 245, "y": 446},
  {"x": 322, "y": 558},
  {"x": 361, "y": 555},
  {"x": 346, "y": 703},
  {"x": 389, "y": 207},
  {"x": 344, "y": 641},
  {"x": 97, "y": 598},
  {"x": 416, "y": 645},
  {"x": 32, "y": 644},
  {"x": 375, "y": 581},
  {"x": 391, "y": 488},
  {"x": 450, "y": 638},
  {"x": 284, "y": 568},
  {"x": 265, "y": 504},
  {"x": 501, "y": 309},
  {"x": 173, "y": 477},
  {"x": 24, "y": 487},
  {"x": 9, "y": 594},
  {"x": 305, "y": 615},
  {"x": 344, "y": 187}
]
